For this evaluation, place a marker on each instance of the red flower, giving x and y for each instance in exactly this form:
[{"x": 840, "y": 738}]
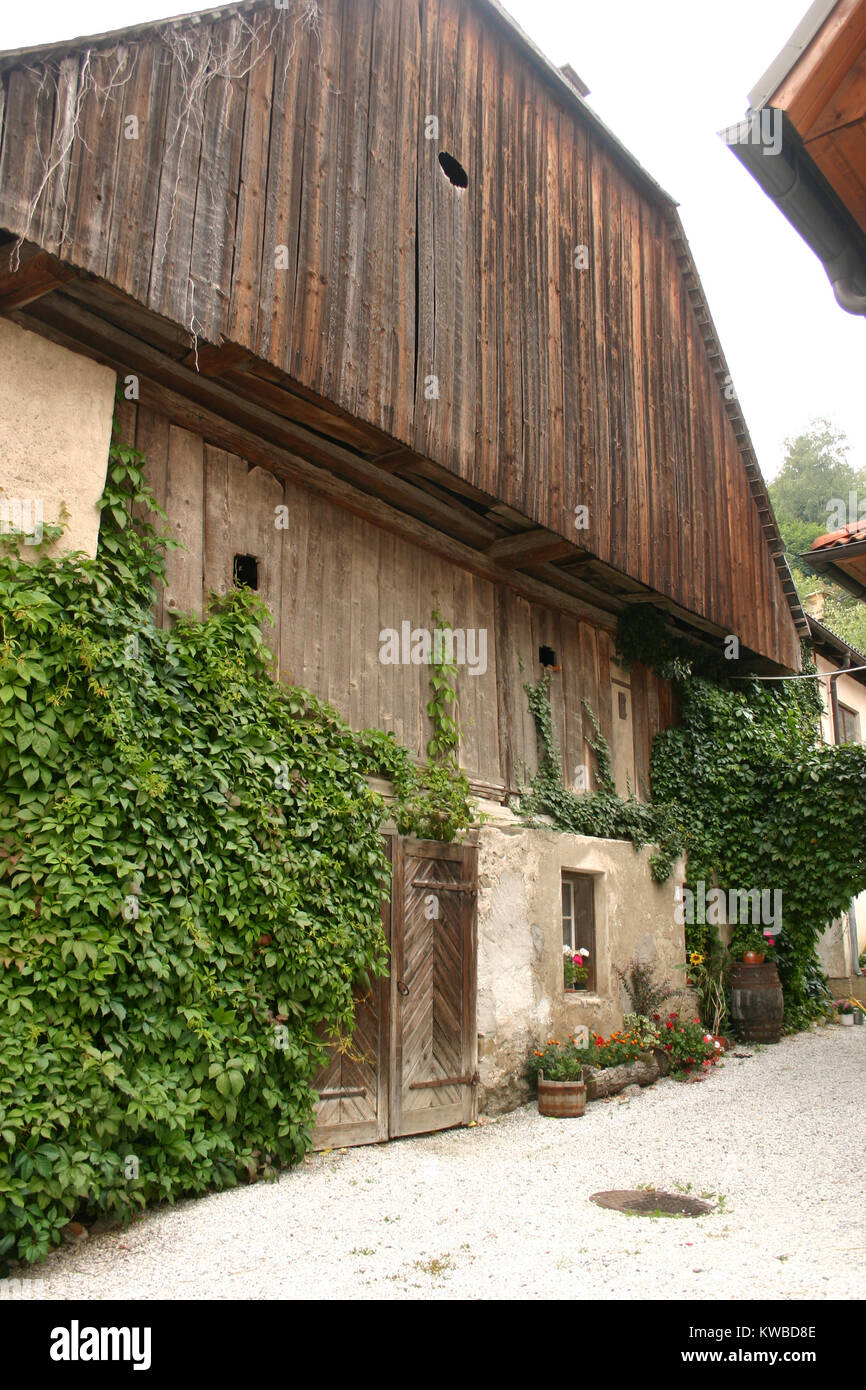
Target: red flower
[
  {"x": 669, "y": 1025},
  {"x": 656, "y": 1018}
]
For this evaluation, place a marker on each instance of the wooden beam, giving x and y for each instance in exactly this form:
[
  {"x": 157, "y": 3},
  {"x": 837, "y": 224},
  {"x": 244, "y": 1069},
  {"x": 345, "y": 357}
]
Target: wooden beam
[
  {"x": 530, "y": 547},
  {"x": 396, "y": 459},
  {"x": 213, "y": 359},
  {"x": 96, "y": 337},
  {"x": 35, "y": 274},
  {"x": 230, "y": 435},
  {"x": 291, "y": 406}
]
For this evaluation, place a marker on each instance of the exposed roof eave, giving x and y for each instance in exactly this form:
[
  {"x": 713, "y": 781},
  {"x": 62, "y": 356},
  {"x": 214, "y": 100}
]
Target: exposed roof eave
[
  {"x": 788, "y": 175},
  {"x": 824, "y": 637},
  {"x": 757, "y": 483},
  {"x": 824, "y": 561},
  {"x": 772, "y": 79}
]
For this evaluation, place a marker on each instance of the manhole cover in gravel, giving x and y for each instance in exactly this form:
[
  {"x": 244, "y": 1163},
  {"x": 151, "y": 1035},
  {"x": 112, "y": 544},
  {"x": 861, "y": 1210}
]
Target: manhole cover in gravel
[{"x": 645, "y": 1203}]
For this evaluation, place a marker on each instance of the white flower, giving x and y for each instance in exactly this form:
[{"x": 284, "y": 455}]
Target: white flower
[
  {"x": 582, "y": 952},
  {"x": 566, "y": 950}
]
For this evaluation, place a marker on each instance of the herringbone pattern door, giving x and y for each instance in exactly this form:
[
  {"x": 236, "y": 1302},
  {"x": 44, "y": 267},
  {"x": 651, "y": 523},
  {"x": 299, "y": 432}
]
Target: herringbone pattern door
[{"x": 433, "y": 988}]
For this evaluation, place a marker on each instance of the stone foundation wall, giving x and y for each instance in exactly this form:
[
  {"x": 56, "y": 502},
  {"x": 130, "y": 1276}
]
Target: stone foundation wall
[{"x": 521, "y": 999}]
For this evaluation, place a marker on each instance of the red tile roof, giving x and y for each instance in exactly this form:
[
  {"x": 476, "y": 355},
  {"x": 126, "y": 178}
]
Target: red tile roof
[{"x": 854, "y": 531}]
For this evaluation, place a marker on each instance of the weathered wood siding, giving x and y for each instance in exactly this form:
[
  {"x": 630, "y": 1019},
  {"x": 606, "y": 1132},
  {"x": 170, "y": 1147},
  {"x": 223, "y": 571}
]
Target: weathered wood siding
[
  {"x": 334, "y": 581},
  {"x": 558, "y": 386}
]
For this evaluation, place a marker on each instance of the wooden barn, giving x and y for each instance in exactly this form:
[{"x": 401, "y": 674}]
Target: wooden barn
[{"x": 400, "y": 324}]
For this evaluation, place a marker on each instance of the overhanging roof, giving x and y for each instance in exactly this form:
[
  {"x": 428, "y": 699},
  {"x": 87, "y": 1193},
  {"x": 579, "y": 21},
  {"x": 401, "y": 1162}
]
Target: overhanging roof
[
  {"x": 804, "y": 136},
  {"x": 790, "y": 54},
  {"x": 835, "y": 649},
  {"x": 841, "y": 555}
]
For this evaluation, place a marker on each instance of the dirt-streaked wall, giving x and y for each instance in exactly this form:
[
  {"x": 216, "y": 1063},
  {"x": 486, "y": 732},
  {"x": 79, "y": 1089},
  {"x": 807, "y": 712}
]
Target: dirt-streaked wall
[
  {"x": 55, "y": 429},
  {"x": 521, "y": 999}
]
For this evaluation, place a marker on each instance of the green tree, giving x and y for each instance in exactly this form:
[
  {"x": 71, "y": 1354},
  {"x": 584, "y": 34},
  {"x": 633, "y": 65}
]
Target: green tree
[
  {"x": 815, "y": 472},
  {"x": 815, "y": 484}
]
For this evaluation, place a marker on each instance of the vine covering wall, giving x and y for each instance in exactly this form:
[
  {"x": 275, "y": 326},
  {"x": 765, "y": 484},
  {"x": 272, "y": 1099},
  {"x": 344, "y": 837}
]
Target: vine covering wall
[
  {"x": 191, "y": 873},
  {"x": 760, "y": 802}
]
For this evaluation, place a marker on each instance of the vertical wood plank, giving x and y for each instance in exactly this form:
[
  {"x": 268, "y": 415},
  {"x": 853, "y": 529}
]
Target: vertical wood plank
[
  {"x": 151, "y": 439},
  {"x": 275, "y": 327},
  {"x": 252, "y": 191},
  {"x": 185, "y": 506},
  {"x": 216, "y": 204},
  {"x": 134, "y": 197}
]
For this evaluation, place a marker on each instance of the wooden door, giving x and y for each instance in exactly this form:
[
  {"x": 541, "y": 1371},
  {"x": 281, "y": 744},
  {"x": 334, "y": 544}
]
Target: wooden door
[
  {"x": 433, "y": 1043},
  {"x": 353, "y": 1084},
  {"x": 410, "y": 1066}
]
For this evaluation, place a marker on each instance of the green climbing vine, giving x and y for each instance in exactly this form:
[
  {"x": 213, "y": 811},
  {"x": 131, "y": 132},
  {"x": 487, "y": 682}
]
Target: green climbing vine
[
  {"x": 602, "y": 812},
  {"x": 433, "y": 801},
  {"x": 760, "y": 802},
  {"x": 191, "y": 874}
]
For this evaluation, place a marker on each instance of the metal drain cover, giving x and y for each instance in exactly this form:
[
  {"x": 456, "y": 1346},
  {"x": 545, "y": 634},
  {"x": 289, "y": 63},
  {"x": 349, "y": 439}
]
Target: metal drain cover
[{"x": 645, "y": 1202}]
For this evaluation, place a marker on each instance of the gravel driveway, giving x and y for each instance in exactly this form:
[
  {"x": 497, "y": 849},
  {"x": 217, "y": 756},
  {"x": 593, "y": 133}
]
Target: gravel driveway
[{"x": 502, "y": 1211}]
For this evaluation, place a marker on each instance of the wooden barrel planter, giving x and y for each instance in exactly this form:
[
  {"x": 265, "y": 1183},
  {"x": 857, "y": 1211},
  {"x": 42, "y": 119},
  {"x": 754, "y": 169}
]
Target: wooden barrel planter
[
  {"x": 757, "y": 1007},
  {"x": 561, "y": 1099}
]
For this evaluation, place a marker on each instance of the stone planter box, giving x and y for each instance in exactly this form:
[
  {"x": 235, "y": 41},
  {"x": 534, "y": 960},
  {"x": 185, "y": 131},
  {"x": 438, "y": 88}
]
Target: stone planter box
[{"x": 609, "y": 1081}]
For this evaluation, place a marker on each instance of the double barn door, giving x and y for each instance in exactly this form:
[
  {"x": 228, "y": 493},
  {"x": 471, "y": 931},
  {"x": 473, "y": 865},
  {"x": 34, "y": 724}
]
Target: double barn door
[{"x": 410, "y": 1065}]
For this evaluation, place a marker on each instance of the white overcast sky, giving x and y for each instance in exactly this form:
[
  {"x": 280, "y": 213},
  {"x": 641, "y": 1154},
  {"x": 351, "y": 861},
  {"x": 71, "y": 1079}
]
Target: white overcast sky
[{"x": 665, "y": 75}]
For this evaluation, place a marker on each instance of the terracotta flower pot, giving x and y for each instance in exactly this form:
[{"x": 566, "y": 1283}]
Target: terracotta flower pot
[
  {"x": 562, "y": 1099},
  {"x": 752, "y": 958}
]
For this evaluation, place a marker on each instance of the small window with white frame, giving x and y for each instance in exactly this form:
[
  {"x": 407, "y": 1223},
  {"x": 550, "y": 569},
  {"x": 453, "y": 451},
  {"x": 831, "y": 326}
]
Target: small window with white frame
[{"x": 578, "y": 927}]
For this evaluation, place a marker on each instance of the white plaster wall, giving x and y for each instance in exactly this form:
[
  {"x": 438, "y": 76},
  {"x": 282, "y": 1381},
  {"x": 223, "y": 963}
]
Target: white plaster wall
[
  {"x": 55, "y": 428},
  {"x": 834, "y": 950},
  {"x": 851, "y": 693},
  {"x": 521, "y": 999}
]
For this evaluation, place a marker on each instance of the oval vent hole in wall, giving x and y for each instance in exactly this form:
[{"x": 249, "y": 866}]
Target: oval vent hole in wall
[
  {"x": 547, "y": 656},
  {"x": 245, "y": 571},
  {"x": 454, "y": 170}
]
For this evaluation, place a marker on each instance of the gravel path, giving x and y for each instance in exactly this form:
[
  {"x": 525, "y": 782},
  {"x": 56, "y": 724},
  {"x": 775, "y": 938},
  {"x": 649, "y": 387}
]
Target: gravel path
[{"x": 501, "y": 1210}]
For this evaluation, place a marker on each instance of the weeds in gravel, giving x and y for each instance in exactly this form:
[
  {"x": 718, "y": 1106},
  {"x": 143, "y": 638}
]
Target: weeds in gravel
[
  {"x": 654, "y": 1215},
  {"x": 435, "y": 1266}
]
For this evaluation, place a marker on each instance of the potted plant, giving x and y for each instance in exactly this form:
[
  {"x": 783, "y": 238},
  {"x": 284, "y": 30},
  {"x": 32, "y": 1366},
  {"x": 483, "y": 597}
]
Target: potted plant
[
  {"x": 559, "y": 1070},
  {"x": 574, "y": 968},
  {"x": 751, "y": 945},
  {"x": 845, "y": 1010}
]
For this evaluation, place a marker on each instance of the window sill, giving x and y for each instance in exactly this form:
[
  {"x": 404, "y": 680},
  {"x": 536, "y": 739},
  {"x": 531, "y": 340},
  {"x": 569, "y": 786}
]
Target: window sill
[{"x": 586, "y": 996}]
